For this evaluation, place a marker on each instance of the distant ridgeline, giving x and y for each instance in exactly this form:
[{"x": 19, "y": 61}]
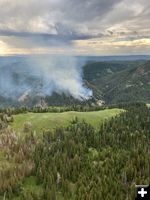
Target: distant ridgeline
[
  {"x": 112, "y": 82},
  {"x": 79, "y": 161}
]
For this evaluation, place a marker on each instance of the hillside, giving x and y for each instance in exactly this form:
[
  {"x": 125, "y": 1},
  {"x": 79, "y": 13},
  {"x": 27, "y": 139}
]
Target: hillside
[
  {"x": 62, "y": 163},
  {"x": 111, "y": 81},
  {"x": 120, "y": 82}
]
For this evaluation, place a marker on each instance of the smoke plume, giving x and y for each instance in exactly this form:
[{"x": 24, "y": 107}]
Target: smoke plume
[{"x": 42, "y": 75}]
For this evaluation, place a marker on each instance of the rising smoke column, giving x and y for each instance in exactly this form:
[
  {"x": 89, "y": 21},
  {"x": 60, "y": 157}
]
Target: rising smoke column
[
  {"x": 31, "y": 75},
  {"x": 60, "y": 74}
]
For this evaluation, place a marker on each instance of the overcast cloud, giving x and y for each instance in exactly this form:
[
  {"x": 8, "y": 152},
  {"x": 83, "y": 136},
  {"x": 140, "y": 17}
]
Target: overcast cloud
[{"x": 75, "y": 26}]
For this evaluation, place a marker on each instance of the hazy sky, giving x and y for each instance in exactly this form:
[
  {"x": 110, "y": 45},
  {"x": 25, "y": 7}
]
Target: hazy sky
[{"x": 80, "y": 27}]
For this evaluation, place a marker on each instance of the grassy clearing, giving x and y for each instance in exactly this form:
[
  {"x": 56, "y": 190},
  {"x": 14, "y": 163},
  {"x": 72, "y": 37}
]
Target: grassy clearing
[
  {"x": 148, "y": 105},
  {"x": 41, "y": 121},
  {"x": 29, "y": 184}
]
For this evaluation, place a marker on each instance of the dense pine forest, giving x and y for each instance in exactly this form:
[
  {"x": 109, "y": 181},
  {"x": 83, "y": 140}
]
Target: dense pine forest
[{"x": 78, "y": 162}]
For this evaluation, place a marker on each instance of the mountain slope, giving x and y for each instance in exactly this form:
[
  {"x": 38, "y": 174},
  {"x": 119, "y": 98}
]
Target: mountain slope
[
  {"x": 112, "y": 82},
  {"x": 120, "y": 83}
]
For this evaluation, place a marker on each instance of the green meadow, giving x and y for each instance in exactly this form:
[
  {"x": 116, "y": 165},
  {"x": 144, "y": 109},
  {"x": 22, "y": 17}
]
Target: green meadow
[{"x": 42, "y": 121}]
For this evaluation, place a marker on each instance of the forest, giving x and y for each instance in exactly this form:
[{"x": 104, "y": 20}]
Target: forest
[{"x": 78, "y": 162}]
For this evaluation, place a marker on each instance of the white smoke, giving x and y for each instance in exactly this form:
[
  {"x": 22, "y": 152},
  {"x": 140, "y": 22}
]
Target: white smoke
[{"x": 60, "y": 74}]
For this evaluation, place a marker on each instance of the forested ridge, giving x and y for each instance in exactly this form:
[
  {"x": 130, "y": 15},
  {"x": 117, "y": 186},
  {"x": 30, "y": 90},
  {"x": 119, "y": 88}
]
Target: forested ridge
[
  {"x": 79, "y": 162},
  {"x": 110, "y": 81},
  {"x": 119, "y": 82}
]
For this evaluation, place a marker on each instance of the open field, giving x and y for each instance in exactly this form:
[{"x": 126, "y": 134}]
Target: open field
[
  {"x": 42, "y": 121},
  {"x": 148, "y": 105}
]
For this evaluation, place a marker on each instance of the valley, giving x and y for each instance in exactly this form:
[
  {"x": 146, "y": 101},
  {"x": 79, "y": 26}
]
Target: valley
[
  {"x": 112, "y": 82},
  {"x": 118, "y": 82}
]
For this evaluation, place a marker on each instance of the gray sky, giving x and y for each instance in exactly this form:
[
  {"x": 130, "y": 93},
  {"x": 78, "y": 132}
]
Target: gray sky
[{"x": 80, "y": 27}]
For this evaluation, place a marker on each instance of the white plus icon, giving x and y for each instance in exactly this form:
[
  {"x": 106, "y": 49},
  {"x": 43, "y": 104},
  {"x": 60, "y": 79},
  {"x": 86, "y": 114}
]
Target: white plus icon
[{"x": 142, "y": 192}]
